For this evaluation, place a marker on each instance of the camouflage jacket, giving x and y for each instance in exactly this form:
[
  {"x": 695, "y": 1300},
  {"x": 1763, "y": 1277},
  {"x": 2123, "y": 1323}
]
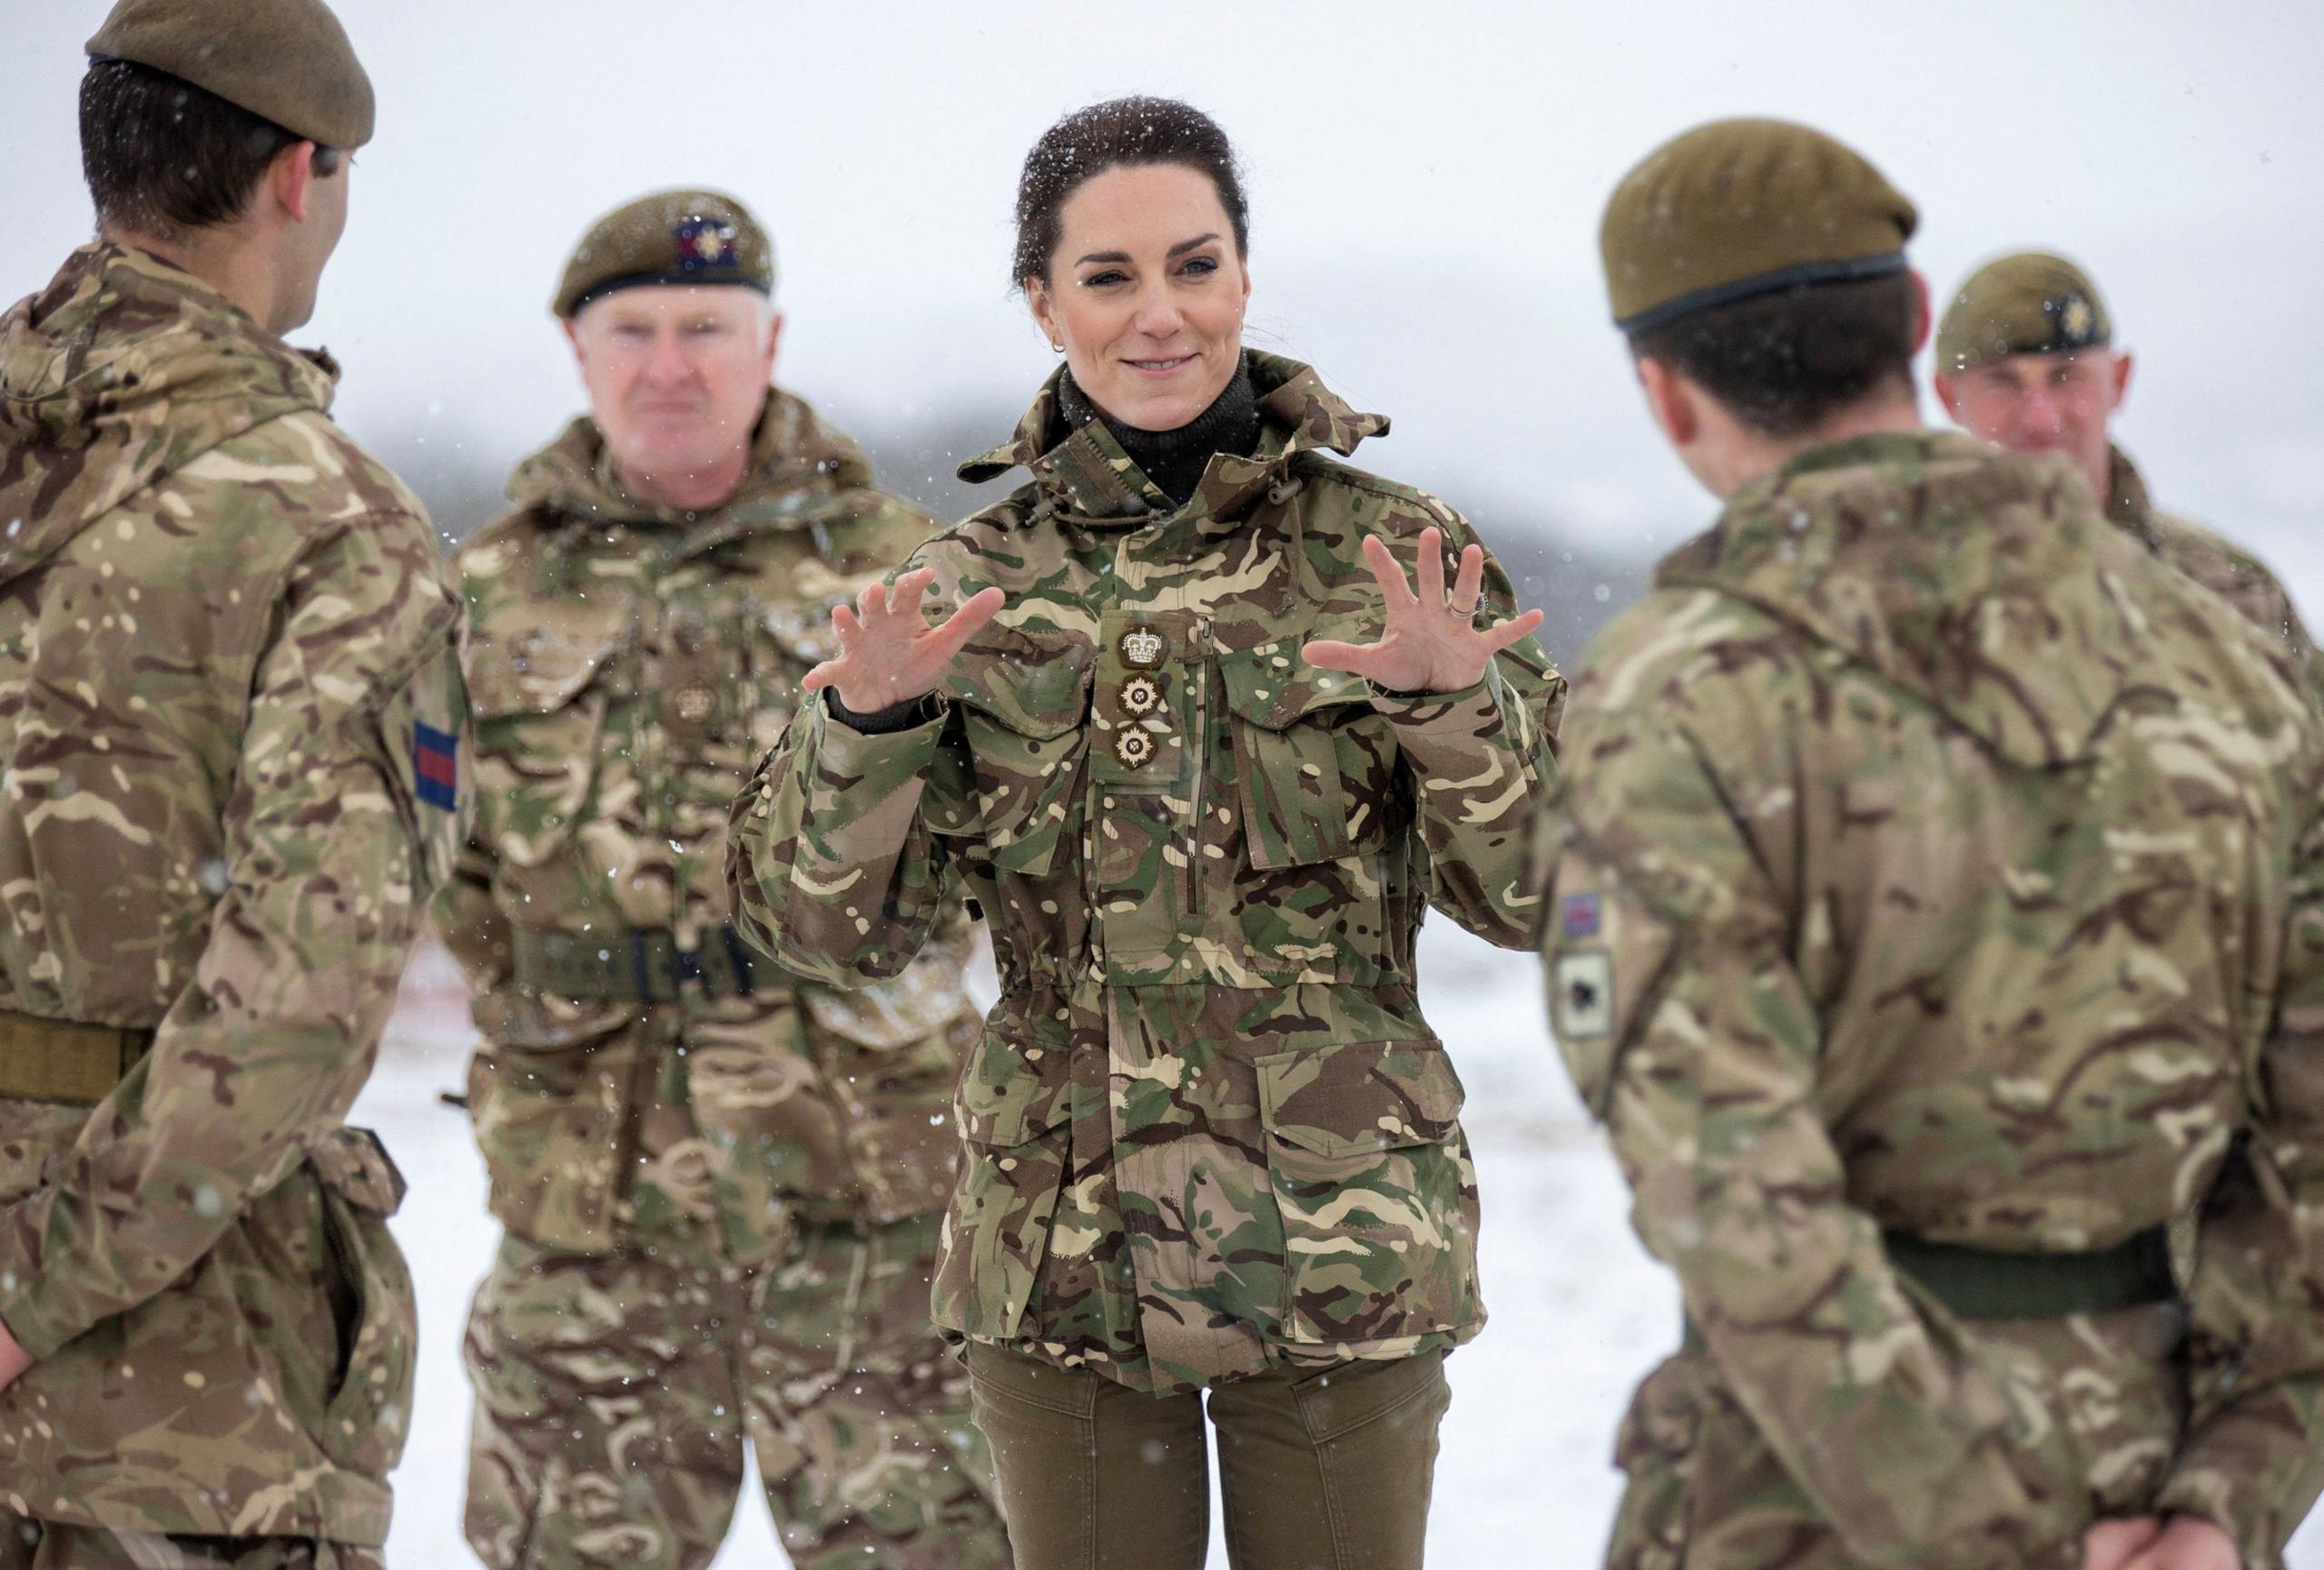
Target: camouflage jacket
[
  {"x": 230, "y": 717},
  {"x": 2229, "y": 572},
  {"x": 628, "y": 666},
  {"x": 1935, "y": 862},
  {"x": 1208, "y": 1130}
]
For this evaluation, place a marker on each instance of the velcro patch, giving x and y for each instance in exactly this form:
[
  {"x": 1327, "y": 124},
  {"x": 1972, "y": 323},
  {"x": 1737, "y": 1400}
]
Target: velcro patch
[
  {"x": 1580, "y": 916},
  {"x": 436, "y": 766},
  {"x": 1583, "y": 986}
]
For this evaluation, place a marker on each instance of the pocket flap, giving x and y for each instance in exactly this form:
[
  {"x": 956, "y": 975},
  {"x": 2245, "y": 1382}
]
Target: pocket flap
[
  {"x": 1036, "y": 687},
  {"x": 1271, "y": 686},
  {"x": 1359, "y": 1098},
  {"x": 1018, "y": 1084},
  {"x": 354, "y": 1165},
  {"x": 537, "y": 668}
]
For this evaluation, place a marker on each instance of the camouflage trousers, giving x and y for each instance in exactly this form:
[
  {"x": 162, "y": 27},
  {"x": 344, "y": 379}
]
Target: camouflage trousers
[
  {"x": 29, "y": 1545},
  {"x": 615, "y": 1394},
  {"x": 1706, "y": 1493}
]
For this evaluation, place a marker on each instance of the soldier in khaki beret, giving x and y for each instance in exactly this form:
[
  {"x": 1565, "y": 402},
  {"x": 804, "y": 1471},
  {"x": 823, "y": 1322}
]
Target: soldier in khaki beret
[
  {"x": 719, "y": 1185},
  {"x": 2026, "y": 357},
  {"x": 231, "y": 758},
  {"x": 1935, "y": 917}
]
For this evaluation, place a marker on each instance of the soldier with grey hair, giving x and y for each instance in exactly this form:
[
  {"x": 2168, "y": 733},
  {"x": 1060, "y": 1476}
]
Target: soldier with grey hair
[
  {"x": 231, "y": 726},
  {"x": 1937, "y": 915},
  {"x": 719, "y": 1184}
]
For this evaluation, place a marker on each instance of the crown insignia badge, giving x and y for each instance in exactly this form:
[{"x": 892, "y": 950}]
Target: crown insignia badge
[{"x": 1143, "y": 647}]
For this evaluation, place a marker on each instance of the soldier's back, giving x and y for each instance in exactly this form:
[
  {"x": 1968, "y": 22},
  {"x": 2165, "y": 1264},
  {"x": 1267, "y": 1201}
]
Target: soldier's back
[{"x": 230, "y": 717}]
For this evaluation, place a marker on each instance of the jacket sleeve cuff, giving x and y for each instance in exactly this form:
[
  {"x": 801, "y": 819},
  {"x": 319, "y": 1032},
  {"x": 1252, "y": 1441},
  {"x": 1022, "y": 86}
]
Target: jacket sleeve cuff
[
  {"x": 1442, "y": 718},
  {"x": 28, "y": 1312},
  {"x": 897, "y": 755},
  {"x": 889, "y": 721},
  {"x": 2221, "y": 1494}
]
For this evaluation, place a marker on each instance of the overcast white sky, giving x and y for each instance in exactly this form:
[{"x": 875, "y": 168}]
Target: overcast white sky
[{"x": 1426, "y": 180}]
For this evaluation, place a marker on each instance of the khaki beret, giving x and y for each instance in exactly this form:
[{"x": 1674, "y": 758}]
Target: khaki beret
[
  {"x": 669, "y": 237},
  {"x": 2028, "y": 303},
  {"x": 1738, "y": 208},
  {"x": 287, "y": 60}
]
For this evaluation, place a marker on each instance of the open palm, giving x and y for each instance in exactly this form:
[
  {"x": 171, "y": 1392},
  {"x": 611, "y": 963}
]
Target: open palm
[
  {"x": 888, "y": 652},
  {"x": 1432, "y": 642}
]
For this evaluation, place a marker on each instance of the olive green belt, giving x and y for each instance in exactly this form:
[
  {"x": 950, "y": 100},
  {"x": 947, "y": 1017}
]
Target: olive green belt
[
  {"x": 643, "y": 965},
  {"x": 1987, "y": 1284},
  {"x": 64, "y": 1060}
]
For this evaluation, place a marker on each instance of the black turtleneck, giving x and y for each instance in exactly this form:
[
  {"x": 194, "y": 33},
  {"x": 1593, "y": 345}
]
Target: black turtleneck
[{"x": 1174, "y": 459}]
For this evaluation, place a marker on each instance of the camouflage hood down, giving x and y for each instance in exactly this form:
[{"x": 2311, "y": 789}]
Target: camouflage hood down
[
  {"x": 1961, "y": 618},
  {"x": 131, "y": 381}
]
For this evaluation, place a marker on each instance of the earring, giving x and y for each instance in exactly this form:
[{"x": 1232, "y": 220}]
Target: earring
[{"x": 1055, "y": 347}]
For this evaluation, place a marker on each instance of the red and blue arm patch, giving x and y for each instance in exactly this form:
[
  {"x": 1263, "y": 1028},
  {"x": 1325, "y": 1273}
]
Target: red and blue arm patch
[{"x": 436, "y": 766}]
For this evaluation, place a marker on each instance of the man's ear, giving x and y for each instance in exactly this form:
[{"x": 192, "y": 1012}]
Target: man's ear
[
  {"x": 1947, "y": 394},
  {"x": 773, "y": 342},
  {"x": 1924, "y": 319},
  {"x": 1671, "y": 400},
  {"x": 2121, "y": 388},
  {"x": 572, "y": 325},
  {"x": 291, "y": 178}
]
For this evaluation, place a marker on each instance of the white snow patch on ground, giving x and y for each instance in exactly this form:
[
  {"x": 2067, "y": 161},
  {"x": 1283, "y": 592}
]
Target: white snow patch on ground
[{"x": 1579, "y": 1313}]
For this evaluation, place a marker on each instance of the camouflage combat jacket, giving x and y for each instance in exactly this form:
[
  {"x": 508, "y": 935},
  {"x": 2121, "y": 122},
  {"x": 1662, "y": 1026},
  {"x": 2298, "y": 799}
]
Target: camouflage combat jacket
[
  {"x": 2229, "y": 572},
  {"x": 1937, "y": 864},
  {"x": 628, "y": 666},
  {"x": 230, "y": 719},
  {"x": 1209, "y": 1129}
]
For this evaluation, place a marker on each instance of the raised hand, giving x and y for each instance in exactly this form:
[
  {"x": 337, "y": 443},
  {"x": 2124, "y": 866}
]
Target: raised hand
[
  {"x": 13, "y": 1359},
  {"x": 2187, "y": 1543},
  {"x": 2110, "y": 1543},
  {"x": 888, "y": 653},
  {"x": 1431, "y": 644}
]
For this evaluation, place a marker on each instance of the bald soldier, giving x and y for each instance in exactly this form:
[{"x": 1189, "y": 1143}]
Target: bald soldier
[
  {"x": 720, "y": 1186},
  {"x": 2025, "y": 358},
  {"x": 1937, "y": 914},
  {"x": 231, "y": 774}
]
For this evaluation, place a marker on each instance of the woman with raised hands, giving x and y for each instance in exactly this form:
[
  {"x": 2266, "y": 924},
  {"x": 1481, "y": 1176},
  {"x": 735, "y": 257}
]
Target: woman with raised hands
[{"x": 1206, "y": 719}]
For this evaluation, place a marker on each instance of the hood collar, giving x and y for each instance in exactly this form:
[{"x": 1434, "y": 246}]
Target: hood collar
[
  {"x": 1956, "y": 571},
  {"x": 1087, "y": 478},
  {"x": 123, "y": 370}
]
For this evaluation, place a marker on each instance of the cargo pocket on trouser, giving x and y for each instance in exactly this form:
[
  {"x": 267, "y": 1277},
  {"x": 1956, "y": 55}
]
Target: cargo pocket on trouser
[
  {"x": 370, "y": 1411},
  {"x": 1014, "y": 1108},
  {"x": 1378, "y": 1200}
]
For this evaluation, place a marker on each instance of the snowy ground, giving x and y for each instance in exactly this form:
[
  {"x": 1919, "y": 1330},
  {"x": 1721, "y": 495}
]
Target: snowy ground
[{"x": 1579, "y": 1313}]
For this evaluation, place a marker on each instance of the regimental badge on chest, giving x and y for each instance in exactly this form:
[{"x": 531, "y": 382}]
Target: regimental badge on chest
[
  {"x": 693, "y": 704},
  {"x": 1141, "y": 695},
  {"x": 1134, "y": 747},
  {"x": 1143, "y": 647}
]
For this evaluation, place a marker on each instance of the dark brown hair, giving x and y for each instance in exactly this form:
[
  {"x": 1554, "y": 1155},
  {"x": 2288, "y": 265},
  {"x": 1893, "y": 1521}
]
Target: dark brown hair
[
  {"x": 161, "y": 156},
  {"x": 1783, "y": 363},
  {"x": 1110, "y": 135}
]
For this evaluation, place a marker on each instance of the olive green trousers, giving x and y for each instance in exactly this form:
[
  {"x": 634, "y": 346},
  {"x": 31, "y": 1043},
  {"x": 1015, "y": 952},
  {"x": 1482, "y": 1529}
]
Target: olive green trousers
[{"x": 1320, "y": 1470}]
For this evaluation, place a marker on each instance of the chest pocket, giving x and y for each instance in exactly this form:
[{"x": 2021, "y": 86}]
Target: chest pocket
[
  {"x": 538, "y": 694},
  {"x": 1025, "y": 707},
  {"x": 1315, "y": 764}
]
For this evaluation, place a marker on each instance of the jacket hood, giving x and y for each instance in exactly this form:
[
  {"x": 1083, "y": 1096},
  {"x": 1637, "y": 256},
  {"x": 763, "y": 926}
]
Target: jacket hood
[
  {"x": 1981, "y": 582},
  {"x": 797, "y": 462},
  {"x": 1085, "y": 474},
  {"x": 123, "y": 370}
]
